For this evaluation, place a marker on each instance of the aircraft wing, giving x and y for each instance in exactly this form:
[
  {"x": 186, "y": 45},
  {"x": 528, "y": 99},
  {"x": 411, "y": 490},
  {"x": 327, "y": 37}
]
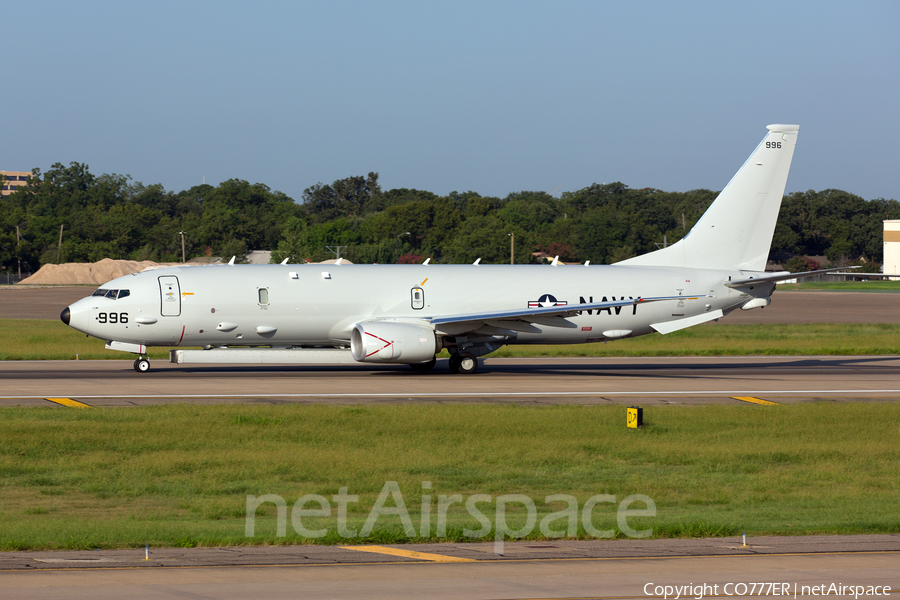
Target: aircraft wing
[
  {"x": 520, "y": 320},
  {"x": 782, "y": 276}
]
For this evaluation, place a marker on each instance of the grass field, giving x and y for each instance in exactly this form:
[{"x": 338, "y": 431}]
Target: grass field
[
  {"x": 37, "y": 339},
  {"x": 845, "y": 286},
  {"x": 179, "y": 475},
  {"x": 45, "y": 339},
  {"x": 738, "y": 340}
]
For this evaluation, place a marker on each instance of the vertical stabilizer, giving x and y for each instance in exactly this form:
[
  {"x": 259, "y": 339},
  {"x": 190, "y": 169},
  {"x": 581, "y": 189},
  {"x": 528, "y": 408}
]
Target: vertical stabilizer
[{"x": 736, "y": 230}]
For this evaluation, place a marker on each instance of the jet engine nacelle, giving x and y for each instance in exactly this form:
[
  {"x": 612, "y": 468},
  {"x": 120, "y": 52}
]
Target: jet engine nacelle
[{"x": 392, "y": 342}]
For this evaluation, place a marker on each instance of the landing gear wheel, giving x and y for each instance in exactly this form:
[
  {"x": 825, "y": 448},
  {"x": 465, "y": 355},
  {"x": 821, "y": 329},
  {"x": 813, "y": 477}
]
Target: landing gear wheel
[
  {"x": 141, "y": 365},
  {"x": 454, "y": 363},
  {"x": 467, "y": 364},
  {"x": 425, "y": 366}
]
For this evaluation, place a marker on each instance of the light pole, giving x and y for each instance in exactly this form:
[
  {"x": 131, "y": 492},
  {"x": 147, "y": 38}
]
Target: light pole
[
  {"x": 398, "y": 244},
  {"x": 18, "y": 257},
  {"x": 512, "y": 248},
  {"x": 182, "y": 247},
  {"x": 59, "y": 247},
  {"x": 336, "y": 250}
]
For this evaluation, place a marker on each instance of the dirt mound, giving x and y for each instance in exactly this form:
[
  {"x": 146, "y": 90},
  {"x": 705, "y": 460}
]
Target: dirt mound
[{"x": 90, "y": 273}]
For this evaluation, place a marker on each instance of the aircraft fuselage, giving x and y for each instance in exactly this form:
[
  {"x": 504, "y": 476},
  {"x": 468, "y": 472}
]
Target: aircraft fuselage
[{"x": 283, "y": 305}]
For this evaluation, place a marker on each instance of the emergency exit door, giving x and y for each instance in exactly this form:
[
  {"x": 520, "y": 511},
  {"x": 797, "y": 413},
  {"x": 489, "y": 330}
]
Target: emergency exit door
[
  {"x": 170, "y": 296},
  {"x": 417, "y": 298}
]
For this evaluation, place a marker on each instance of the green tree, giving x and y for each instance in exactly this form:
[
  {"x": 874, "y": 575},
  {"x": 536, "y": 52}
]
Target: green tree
[
  {"x": 483, "y": 237},
  {"x": 350, "y": 197}
]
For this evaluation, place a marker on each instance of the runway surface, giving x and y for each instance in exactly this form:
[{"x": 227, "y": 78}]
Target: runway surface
[
  {"x": 681, "y": 380},
  {"x": 536, "y": 570}
]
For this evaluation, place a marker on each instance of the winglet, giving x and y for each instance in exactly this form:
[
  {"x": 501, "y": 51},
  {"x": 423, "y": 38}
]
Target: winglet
[
  {"x": 478, "y": 260},
  {"x": 555, "y": 262},
  {"x": 426, "y": 261},
  {"x": 284, "y": 262},
  {"x": 231, "y": 262}
]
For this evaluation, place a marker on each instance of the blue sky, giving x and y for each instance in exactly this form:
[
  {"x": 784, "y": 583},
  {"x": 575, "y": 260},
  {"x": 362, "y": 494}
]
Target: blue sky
[{"x": 494, "y": 97}]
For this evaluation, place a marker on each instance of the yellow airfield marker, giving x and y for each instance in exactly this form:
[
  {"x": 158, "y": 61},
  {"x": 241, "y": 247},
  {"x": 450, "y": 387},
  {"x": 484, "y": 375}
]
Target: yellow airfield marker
[
  {"x": 69, "y": 402},
  {"x": 408, "y": 553},
  {"x": 755, "y": 400},
  {"x": 634, "y": 417}
]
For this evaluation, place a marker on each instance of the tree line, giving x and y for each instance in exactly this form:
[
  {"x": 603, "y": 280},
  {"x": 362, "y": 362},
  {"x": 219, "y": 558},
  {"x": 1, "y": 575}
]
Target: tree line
[{"x": 110, "y": 216}]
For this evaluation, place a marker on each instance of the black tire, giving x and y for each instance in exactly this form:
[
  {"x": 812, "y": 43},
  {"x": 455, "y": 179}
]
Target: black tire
[
  {"x": 141, "y": 365},
  {"x": 467, "y": 364},
  {"x": 425, "y": 366},
  {"x": 454, "y": 363}
]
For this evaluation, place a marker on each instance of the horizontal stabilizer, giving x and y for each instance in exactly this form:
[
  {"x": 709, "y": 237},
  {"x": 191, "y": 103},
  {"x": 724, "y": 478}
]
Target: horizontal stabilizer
[{"x": 781, "y": 276}]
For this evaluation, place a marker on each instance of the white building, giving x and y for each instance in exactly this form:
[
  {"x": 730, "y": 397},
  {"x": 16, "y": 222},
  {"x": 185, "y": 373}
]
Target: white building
[{"x": 892, "y": 247}]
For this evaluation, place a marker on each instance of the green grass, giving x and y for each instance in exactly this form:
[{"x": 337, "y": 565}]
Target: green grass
[
  {"x": 48, "y": 339},
  {"x": 845, "y": 286},
  {"x": 34, "y": 339},
  {"x": 738, "y": 340},
  {"x": 179, "y": 475}
]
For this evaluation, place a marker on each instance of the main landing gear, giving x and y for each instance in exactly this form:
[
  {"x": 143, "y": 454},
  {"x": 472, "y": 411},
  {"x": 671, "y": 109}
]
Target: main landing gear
[
  {"x": 463, "y": 363},
  {"x": 141, "y": 364}
]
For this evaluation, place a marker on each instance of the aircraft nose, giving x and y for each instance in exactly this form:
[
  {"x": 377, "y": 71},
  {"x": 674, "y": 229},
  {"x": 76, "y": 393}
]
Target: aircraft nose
[{"x": 65, "y": 315}]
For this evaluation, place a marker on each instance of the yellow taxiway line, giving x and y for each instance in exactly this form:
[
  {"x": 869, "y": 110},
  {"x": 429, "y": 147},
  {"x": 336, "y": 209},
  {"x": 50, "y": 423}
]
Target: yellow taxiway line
[
  {"x": 755, "y": 400},
  {"x": 69, "y": 402},
  {"x": 408, "y": 553}
]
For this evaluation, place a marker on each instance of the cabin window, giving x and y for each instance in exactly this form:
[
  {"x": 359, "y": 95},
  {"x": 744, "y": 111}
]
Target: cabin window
[{"x": 263, "y": 295}]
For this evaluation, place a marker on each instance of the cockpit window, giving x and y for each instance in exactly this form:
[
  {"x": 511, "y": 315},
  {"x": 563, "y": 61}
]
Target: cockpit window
[{"x": 113, "y": 294}]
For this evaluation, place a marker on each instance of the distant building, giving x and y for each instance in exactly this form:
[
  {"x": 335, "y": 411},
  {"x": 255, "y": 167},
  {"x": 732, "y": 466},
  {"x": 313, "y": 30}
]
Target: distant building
[
  {"x": 891, "y": 247},
  {"x": 258, "y": 257},
  {"x": 12, "y": 180}
]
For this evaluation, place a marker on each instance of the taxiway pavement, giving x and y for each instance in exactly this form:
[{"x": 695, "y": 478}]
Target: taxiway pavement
[
  {"x": 536, "y": 570},
  {"x": 676, "y": 380}
]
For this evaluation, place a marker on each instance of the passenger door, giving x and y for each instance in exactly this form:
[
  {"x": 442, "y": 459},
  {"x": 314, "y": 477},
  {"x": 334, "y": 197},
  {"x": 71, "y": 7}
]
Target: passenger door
[{"x": 169, "y": 296}]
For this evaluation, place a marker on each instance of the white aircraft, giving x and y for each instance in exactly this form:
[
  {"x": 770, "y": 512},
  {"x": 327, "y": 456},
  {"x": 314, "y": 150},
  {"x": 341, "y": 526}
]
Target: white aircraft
[{"x": 313, "y": 313}]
